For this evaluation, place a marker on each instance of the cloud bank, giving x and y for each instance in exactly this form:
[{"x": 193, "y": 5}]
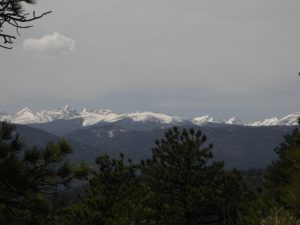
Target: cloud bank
[{"x": 55, "y": 44}]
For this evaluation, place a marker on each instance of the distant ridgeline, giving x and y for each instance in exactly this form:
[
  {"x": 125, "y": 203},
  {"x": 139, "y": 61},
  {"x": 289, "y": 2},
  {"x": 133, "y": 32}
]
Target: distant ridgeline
[
  {"x": 93, "y": 117},
  {"x": 94, "y": 132}
]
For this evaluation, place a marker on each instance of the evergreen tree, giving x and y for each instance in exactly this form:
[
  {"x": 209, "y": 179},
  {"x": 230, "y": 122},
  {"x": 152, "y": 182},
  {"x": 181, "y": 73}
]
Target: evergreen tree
[
  {"x": 279, "y": 200},
  {"x": 185, "y": 186},
  {"x": 178, "y": 185},
  {"x": 29, "y": 177},
  {"x": 282, "y": 180},
  {"x": 108, "y": 195}
]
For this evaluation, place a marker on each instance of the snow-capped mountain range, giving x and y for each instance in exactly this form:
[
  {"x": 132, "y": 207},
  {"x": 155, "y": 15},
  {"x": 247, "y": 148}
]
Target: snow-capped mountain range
[{"x": 92, "y": 117}]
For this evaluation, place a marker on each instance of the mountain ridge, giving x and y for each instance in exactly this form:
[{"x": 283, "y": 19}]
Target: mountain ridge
[
  {"x": 92, "y": 117},
  {"x": 239, "y": 146}
]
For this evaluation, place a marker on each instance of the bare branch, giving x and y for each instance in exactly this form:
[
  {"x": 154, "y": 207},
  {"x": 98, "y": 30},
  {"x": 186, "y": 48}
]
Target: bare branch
[{"x": 12, "y": 14}]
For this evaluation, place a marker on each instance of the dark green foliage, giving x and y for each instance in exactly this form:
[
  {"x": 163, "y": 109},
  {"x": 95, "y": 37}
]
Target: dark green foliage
[
  {"x": 278, "y": 201},
  {"x": 107, "y": 197},
  {"x": 253, "y": 178},
  {"x": 188, "y": 188},
  {"x": 178, "y": 184},
  {"x": 29, "y": 177},
  {"x": 282, "y": 180}
]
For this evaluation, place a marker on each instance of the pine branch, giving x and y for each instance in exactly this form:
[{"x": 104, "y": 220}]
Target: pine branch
[{"x": 12, "y": 15}]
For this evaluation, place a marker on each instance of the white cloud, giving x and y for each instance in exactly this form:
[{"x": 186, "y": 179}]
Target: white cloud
[{"x": 55, "y": 44}]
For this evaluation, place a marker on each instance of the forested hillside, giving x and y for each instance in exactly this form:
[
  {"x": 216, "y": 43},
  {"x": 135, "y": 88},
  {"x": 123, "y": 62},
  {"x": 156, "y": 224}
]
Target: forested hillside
[
  {"x": 180, "y": 182},
  {"x": 241, "y": 147}
]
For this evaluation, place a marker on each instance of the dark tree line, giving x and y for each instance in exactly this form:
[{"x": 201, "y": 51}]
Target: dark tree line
[{"x": 180, "y": 184}]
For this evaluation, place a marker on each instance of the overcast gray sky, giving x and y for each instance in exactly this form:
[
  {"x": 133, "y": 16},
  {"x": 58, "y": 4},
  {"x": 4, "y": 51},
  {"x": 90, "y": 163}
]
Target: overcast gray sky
[{"x": 182, "y": 57}]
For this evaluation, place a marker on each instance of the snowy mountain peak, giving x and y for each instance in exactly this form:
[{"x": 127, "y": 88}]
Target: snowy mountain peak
[
  {"x": 201, "y": 120},
  {"x": 267, "y": 122},
  {"x": 26, "y": 116},
  {"x": 100, "y": 111},
  {"x": 66, "y": 107},
  {"x": 104, "y": 111},
  {"x": 153, "y": 116},
  {"x": 68, "y": 111},
  {"x": 25, "y": 110},
  {"x": 234, "y": 120},
  {"x": 85, "y": 110},
  {"x": 289, "y": 120},
  {"x": 92, "y": 117}
]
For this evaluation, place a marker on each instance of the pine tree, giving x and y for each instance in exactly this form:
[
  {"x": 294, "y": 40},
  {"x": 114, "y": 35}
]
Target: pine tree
[
  {"x": 29, "y": 177},
  {"x": 185, "y": 186},
  {"x": 282, "y": 180},
  {"x": 278, "y": 202},
  {"x": 108, "y": 198},
  {"x": 179, "y": 185}
]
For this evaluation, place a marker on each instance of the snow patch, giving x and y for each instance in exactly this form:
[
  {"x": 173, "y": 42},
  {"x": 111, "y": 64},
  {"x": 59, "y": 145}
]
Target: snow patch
[
  {"x": 289, "y": 120},
  {"x": 234, "y": 121},
  {"x": 111, "y": 134},
  {"x": 91, "y": 117},
  {"x": 201, "y": 120},
  {"x": 152, "y": 116}
]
